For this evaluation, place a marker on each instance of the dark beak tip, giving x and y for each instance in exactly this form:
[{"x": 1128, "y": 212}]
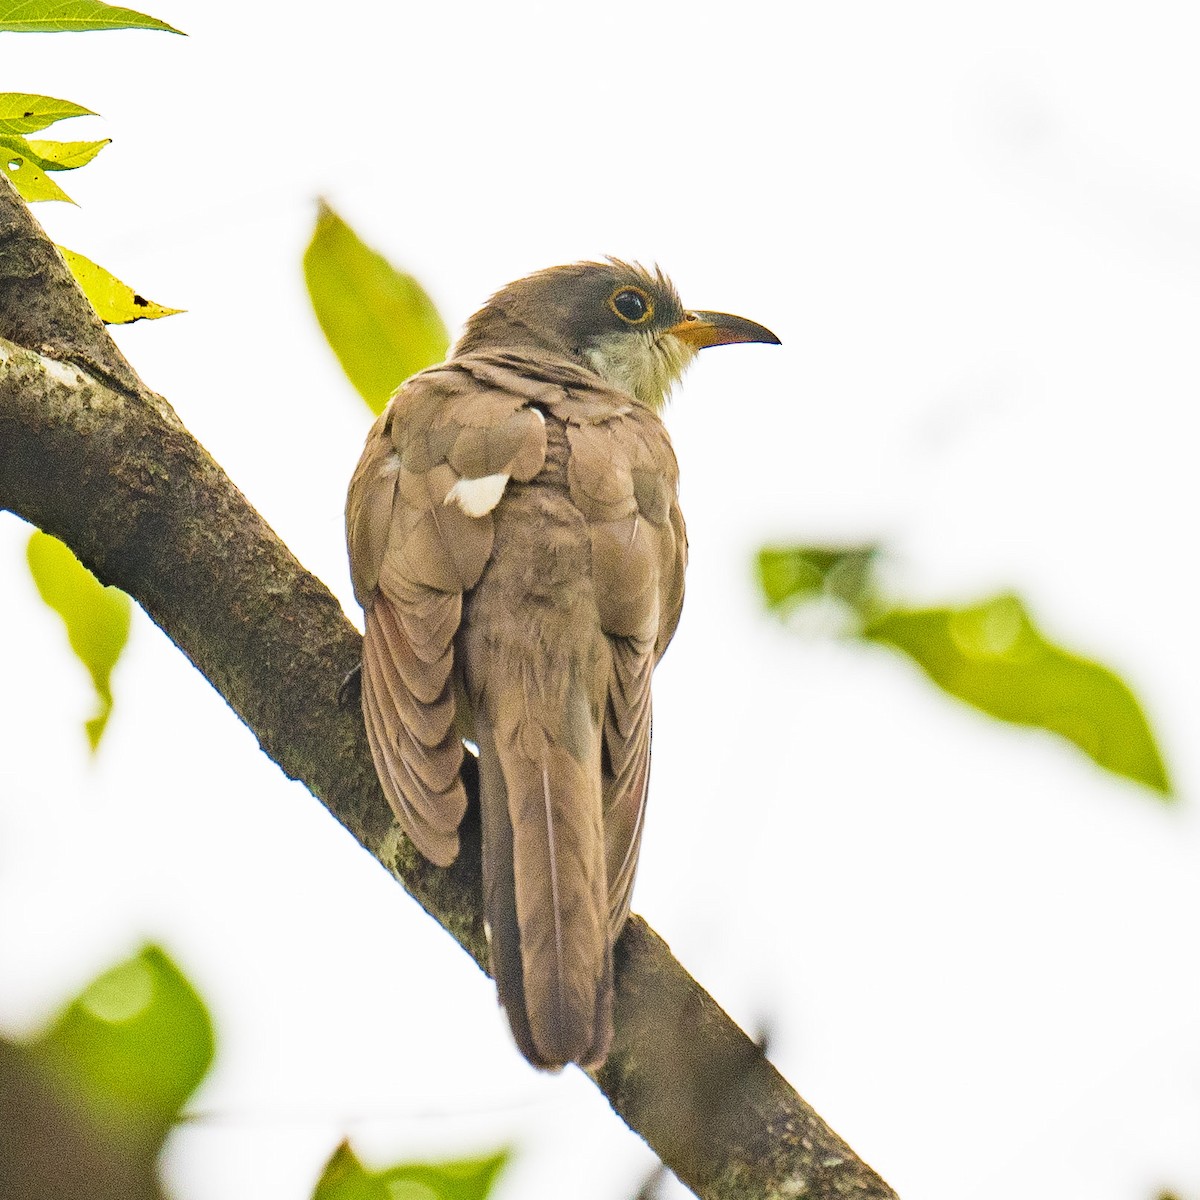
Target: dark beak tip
[
  {"x": 758, "y": 334},
  {"x": 761, "y": 334}
]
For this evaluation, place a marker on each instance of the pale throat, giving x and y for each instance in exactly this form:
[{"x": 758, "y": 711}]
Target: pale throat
[{"x": 645, "y": 366}]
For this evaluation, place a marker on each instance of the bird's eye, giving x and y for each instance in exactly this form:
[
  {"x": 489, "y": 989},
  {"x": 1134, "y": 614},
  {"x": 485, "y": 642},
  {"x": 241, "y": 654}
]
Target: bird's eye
[{"x": 632, "y": 305}]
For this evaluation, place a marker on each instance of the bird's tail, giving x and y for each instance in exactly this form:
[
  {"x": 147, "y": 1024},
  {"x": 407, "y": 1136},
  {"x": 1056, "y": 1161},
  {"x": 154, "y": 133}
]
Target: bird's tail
[{"x": 544, "y": 878}]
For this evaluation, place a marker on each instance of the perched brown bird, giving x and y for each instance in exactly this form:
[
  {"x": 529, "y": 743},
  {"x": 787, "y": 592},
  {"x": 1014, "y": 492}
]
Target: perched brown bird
[{"x": 517, "y": 546}]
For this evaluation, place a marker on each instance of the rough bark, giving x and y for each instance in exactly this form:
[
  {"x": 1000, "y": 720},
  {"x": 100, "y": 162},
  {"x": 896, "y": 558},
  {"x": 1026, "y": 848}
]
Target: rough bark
[{"x": 89, "y": 454}]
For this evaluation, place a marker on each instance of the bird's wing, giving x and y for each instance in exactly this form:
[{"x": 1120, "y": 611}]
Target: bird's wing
[
  {"x": 624, "y": 479},
  {"x": 420, "y": 530}
]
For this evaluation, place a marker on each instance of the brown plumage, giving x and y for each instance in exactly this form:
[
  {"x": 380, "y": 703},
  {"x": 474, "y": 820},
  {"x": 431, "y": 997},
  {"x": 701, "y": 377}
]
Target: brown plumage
[{"x": 516, "y": 543}]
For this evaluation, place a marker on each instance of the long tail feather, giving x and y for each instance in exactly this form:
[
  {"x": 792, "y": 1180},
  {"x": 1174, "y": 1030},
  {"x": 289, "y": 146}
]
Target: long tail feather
[
  {"x": 545, "y": 881},
  {"x": 499, "y": 896}
]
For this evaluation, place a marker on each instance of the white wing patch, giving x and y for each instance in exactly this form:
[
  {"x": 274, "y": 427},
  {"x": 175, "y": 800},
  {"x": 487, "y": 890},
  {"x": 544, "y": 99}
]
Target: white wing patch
[{"x": 477, "y": 496}]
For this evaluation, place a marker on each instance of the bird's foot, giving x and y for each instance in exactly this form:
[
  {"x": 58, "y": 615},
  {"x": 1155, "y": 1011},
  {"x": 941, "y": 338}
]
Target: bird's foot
[{"x": 350, "y": 690}]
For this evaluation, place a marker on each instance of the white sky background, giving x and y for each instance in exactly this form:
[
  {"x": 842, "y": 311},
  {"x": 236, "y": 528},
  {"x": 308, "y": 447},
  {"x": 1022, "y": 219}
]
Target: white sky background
[{"x": 977, "y": 231}]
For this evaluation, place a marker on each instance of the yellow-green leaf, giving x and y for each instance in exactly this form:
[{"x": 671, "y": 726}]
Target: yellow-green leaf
[
  {"x": 993, "y": 656},
  {"x": 345, "y": 1178},
  {"x": 97, "y": 617},
  {"x": 133, "y": 1046},
  {"x": 115, "y": 302},
  {"x": 379, "y": 321},
  {"x": 31, "y": 182},
  {"x": 65, "y": 156},
  {"x": 51, "y": 156},
  {"x": 70, "y": 16},
  {"x": 21, "y": 112},
  {"x": 18, "y": 145}
]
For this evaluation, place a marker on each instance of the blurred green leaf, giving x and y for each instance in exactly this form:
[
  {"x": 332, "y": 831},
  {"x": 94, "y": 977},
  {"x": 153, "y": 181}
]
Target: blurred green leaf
[
  {"x": 992, "y": 656},
  {"x": 97, "y": 617},
  {"x": 378, "y": 321},
  {"x": 21, "y": 112},
  {"x": 989, "y": 654},
  {"x": 64, "y": 156},
  {"x": 116, "y": 303},
  {"x": 21, "y": 167},
  {"x": 71, "y": 16},
  {"x": 345, "y": 1178},
  {"x": 133, "y": 1046},
  {"x": 793, "y": 574}
]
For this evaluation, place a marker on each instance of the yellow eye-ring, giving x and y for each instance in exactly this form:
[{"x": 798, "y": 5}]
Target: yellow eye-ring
[{"x": 632, "y": 305}]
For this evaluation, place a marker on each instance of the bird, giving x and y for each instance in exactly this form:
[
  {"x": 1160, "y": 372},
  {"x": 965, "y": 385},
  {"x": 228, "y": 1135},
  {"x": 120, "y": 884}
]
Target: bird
[{"x": 517, "y": 546}]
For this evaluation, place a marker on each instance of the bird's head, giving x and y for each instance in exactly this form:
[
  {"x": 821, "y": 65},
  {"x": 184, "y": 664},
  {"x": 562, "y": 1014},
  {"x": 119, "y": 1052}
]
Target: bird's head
[{"x": 623, "y": 322}]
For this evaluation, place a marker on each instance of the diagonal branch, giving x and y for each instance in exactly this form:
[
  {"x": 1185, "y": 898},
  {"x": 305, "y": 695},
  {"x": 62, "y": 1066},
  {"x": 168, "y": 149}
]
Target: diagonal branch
[{"x": 89, "y": 454}]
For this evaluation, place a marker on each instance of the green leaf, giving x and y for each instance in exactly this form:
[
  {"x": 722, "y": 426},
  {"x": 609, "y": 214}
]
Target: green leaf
[
  {"x": 21, "y": 112},
  {"x": 26, "y": 162},
  {"x": 71, "y": 16},
  {"x": 115, "y": 302},
  {"x": 992, "y": 656},
  {"x": 379, "y": 321},
  {"x": 793, "y": 574},
  {"x": 345, "y": 1178},
  {"x": 133, "y": 1046},
  {"x": 65, "y": 156},
  {"x": 32, "y": 183},
  {"x": 97, "y": 617},
  {"x": 52, "y": 156}
]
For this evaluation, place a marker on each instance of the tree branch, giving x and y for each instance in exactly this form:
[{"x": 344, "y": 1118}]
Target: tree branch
[{"x": 89, "y": 454}]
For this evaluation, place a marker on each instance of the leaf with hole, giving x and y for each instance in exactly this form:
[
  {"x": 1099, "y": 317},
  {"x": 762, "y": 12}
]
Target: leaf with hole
[
  {"x": 52, "y": 156},
  {"x": 30, "y": 180},
  {"x": 116, "y": 303},
  {"x": 97, "y": 617},
  {"x": 378, "y": 321}
]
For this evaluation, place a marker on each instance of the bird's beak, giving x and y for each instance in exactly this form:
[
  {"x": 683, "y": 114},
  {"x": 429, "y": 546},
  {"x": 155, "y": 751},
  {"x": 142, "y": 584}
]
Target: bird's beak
[{"x": 700, "y": 329}]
